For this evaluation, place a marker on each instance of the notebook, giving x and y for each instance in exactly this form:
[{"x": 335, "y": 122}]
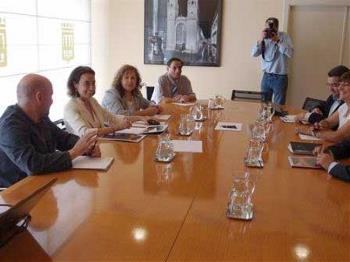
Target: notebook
[
  {"x": 97, "y": 163},
  {"x": 303, "y": 162},
  {"x": 302, "y": 148},
  {"x": 133, "y": 138}
]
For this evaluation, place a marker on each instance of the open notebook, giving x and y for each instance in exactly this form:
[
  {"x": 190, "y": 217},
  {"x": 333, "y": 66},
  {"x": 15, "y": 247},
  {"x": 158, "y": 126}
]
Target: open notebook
[{"x": 97, "y": 163}]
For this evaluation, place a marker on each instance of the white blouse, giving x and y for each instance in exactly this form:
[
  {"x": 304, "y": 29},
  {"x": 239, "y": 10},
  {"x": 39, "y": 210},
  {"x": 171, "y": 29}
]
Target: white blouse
[{"x": 343, "y": 114}]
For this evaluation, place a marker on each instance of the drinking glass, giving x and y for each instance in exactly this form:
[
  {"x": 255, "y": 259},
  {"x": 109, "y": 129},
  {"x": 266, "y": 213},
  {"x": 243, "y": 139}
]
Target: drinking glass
[
  {"x": 254, "y": 152},
  {"x": 271, "y": 110},
  {"x": 165, "y": 150},
  {"x": 258, "y": 131},
  {"x": 197, "y": 112},
  {"x": 219, "y": 101},
  {"x": 240, "y": 198},
  {"x": 186, "y": 125},
  {"x": 211, "y": 103}
]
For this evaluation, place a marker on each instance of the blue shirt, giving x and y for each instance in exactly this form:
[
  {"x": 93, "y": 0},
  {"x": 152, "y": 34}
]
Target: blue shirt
[
  {"x": 276, "y": 54},
  {"x": 116, "y": 104},
  {"x": 28, "y": 148}
]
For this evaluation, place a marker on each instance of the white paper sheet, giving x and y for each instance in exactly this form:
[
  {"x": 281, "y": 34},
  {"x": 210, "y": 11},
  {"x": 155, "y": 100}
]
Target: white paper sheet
[
  {"x": 86, "y": 162},
  {"x": 306, "y": 137},
  {"x": 184, "y": 104},
  {"x": 136, "y": 130},
  {"x": 288, "y": 118},
  {"x": 228, "y": 126},
  {"x": 292, "y": 119},
  {"x": 194, "y": 146}
]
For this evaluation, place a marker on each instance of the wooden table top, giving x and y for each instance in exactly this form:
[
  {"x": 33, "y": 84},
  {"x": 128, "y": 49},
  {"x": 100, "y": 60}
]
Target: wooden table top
[{"x": 143, "y": 210}]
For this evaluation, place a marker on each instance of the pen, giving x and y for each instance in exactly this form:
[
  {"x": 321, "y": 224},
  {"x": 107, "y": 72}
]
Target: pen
[{"x": 229, "y": 126}]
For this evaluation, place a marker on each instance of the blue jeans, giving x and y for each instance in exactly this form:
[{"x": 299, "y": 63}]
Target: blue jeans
[{"x": 275, "y": 85}]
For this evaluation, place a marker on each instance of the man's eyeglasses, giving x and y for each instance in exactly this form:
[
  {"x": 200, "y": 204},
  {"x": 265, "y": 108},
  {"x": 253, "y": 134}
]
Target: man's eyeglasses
[
  {"x": 333, "y": 84},
  {"x": 345, "y": 83}
]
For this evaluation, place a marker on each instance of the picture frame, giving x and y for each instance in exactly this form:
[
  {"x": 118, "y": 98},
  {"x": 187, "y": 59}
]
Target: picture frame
[{"x": 186, "y": 29}]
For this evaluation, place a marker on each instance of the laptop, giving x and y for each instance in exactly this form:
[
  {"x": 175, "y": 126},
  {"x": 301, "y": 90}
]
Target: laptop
[{"x": 10, "y": 219}]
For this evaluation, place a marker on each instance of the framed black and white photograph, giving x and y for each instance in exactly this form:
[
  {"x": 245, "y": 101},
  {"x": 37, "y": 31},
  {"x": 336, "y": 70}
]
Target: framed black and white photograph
[{"x": 187, "y": 29}]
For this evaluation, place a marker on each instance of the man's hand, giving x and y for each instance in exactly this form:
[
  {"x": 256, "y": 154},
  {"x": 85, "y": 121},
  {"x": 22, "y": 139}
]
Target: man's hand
[
  {"x": 324, "y": 160},
  {"x": 317, "y": 150},
  {"x": 317, "y": 111},
  {"x": 262, "y": 36},
  {"x": 153, "y": 110},
  {"x": 275, "y": 38},
  {"x": 177, "y": 98},
  {"x": 85, "y": 144},
  {"x": 168, "y": 100},
  {"x": 95, "y": 152},
  {"x": 321, "y": 125}
]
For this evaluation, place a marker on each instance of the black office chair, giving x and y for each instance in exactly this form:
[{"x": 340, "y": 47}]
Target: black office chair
[
  {"x": 149, "y": 92},
  {"x": 243, "y": 95},
  {"x": 310, "y": 103},
  {"x": 60, "y": 124}
]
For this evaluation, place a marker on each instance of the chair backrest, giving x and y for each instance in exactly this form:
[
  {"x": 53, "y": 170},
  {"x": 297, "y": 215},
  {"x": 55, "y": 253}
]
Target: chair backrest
[
  {"x": 60, "y": 124},
  {"x": 149, "y": 92},
  {"x": 248, "y": 95},
  {"x": 310, "y": 103}
]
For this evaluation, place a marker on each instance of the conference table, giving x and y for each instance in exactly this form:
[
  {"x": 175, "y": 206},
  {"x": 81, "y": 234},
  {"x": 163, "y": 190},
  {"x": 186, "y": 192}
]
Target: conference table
[{"x": 140, "y": 209}]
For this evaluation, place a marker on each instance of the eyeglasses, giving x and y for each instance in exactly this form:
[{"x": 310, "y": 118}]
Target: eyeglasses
[
  {"x": 345, "y": 83},
  {"x": 333, "y": 84}
]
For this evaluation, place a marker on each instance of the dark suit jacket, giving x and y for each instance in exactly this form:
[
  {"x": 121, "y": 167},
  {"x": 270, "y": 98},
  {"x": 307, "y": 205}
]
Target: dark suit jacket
[
  {"x": 340, "y": 151},
  {"x": 324, "y": 107}
]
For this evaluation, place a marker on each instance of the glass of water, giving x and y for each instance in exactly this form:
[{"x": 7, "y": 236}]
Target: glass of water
[
  {"x": 254, "y": 153},
  {"x": 219, "y": 101},
  {"x": 197, "y": 112},
  {"x": 258, "y": 131},
  {"x": 165, "y": 150},
  {"x": 240, "y": 198},
  {"x": 186, "y": 125}
]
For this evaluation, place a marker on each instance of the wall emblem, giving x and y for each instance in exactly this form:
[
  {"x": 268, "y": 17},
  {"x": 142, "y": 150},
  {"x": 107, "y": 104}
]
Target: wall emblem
[
  {"x": 67, "y": 42},
  {"x": 3, "y": 44}
]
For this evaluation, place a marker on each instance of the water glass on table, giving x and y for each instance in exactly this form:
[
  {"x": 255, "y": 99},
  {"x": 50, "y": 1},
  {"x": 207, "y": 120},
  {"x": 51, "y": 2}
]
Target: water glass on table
[
  {"x": 197, "y": 112},
  {"x": 254, "y": 153},
  {"x": 186, "y": 125},
  {"x": 258, "y": 131},
  {"x": 165, "y": 150},
  {"x": 219, "y": 101},
  {"x": 240, "y": 204}
]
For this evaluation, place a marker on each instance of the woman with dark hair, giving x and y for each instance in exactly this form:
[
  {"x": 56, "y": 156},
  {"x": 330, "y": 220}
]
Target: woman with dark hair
[
  {"x": 83, "y": 112},
  {"x": 125, "y": 98}
]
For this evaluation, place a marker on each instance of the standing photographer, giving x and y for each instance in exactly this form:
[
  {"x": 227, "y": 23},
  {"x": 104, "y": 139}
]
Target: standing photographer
[{"x": 275, "y": 48}]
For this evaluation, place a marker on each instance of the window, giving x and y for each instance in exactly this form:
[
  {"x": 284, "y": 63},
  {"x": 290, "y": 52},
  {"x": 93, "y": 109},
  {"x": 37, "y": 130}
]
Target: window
[{"x": 48, "y": 37}]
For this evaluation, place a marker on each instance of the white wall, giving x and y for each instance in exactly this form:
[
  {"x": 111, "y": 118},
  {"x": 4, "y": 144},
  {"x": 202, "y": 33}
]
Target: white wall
[{"x": 124, "y": 21}]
